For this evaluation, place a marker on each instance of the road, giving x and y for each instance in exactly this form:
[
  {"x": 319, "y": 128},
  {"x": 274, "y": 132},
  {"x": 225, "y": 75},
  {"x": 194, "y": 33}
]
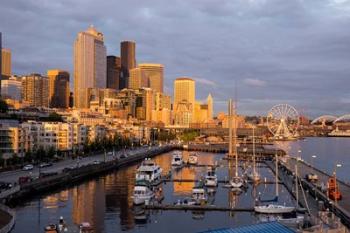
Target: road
[{"x": 12, "y": 176}]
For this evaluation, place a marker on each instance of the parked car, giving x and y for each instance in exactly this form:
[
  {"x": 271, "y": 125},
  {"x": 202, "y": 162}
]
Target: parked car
[
  {"x": 96, "y": 162},
  {"x": 311, "y": 177},
  {"x": 5, "y": 185},
  {"x": 24, "y": 179},
  {"x": 45, "y": 165},
  {"x": 28, "y": 167}
]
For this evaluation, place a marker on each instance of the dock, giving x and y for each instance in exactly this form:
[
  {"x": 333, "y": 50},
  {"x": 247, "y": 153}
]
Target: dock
[{"x": 197, "y": 208}]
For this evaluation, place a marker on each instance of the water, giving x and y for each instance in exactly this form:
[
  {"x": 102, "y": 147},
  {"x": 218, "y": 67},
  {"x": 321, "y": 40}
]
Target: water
[
  {"x": 106, "y": 201},
  {"x": 329, "y": 151}
]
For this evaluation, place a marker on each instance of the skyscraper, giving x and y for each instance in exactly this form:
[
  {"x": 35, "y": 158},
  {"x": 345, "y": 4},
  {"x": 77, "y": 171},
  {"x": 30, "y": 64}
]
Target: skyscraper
[
  {"x": 11, "y": 88},
  {"x": 210, "y": 107},
  {"x": 6, "y": 63},
  {"x": 153, "y": 75},
  {"x": 136, "y": 79},
  {"x": 58, "y": 88},
  {"x": 184, "y": 100},
  {"x": 113, "y": 72},
  {"x": 35, "y": 90},
  {"x": 128, "y": 61},
  {"x": 89, "y": 65}
]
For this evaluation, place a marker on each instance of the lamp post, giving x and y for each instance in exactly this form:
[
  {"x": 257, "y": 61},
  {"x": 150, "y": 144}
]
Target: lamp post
[{"x": 312, "y": 160}]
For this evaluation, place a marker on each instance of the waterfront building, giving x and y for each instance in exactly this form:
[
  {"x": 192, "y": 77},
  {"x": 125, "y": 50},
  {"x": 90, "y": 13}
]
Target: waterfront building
[
  {"x": 11, "y": 88},
  {"x": 6, "y": 63},
  {"x": 153, "y": 75},
  {"x": 184, "y": 101},
  {"x": 11, "y": 139},
  {"x": 113, "y": 72},
  {"x": 89, "y": 65},
  {"x": 58, "y": 88},
  {"x": 35, "y": 90},
  {"x": 128, "y": 61}
]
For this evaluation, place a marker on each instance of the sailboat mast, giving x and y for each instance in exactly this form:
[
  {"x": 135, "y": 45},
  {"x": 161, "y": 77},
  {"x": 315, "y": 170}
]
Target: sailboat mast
[
  {"x": 235, "y": 136},
  {"x": 230, "y": 127},
  {"x": 296, "y": 184},
  {"x": 276, "y": 169},
  {"x": 254, "y": 171}
]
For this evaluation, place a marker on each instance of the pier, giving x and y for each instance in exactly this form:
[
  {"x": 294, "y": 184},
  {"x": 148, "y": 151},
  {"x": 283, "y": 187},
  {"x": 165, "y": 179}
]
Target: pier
[{"x": 196, "y": 208}]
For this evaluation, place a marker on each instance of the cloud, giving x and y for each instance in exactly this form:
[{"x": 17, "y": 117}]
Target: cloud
[
  {"x": 299, "y": 50},
  {"x": 205, "y": 81},
  {"x": 254, "y": 82}
]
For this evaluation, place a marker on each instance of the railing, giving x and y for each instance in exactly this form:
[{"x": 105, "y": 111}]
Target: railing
[{"x": 8, "y": 227}]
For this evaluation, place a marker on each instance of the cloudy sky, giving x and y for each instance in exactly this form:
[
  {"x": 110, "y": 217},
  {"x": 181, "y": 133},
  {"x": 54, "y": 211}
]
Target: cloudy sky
[{"x": 276, "y": 51}]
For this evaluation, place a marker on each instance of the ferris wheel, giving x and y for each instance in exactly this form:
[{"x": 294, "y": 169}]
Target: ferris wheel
[{"x": 283, "y": 121}]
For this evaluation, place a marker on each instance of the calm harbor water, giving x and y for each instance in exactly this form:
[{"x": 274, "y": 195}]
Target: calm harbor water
[
  {"x": 329, "y": 151},
  {"x": 106, "y": 201}
]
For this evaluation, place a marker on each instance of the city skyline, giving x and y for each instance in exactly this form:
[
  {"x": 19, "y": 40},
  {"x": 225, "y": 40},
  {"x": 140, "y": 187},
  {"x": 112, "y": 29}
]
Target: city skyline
[{"x": 301, "y": 61}]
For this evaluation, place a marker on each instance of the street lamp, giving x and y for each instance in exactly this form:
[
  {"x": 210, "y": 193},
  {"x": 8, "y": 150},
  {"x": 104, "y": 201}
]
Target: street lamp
[{"x": 313, "y": 157}]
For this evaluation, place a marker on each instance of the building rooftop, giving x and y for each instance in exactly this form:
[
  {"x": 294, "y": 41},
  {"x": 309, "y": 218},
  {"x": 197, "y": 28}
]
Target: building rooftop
[
  {"x": 271, "y": 227},
  {"x": 184, "y": 79}
]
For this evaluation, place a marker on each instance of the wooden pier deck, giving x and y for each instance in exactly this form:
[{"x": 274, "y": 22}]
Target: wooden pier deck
[
  {"x": 219, "y": 181},
  {"x": 196, "y": 208}
]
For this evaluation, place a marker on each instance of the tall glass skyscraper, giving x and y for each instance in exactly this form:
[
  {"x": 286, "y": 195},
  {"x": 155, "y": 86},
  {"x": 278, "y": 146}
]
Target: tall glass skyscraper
[
  {"x": 89, "y": 65},
  {"x": 128, "y": 61}
]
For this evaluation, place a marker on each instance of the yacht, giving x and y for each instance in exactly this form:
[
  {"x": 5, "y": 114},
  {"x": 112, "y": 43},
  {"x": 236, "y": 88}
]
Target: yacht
[
  {"x": 199, "y": 195},
  {"x": 148, "y": 171},
  {"x": 273, "y": 209},
  {"x": 237, "y": 182},
  {"x": 142, "y": 193},
  {"x": 193, "y": 159},
  {"x": 51, "y": 228},
  {"x": 211, "y": 179},
  {"x": 85, "y": 227},
  {"x": 177, "y": 159}
]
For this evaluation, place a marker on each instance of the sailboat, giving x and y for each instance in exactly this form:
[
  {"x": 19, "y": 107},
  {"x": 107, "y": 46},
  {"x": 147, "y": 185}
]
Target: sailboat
[
  {"x": 254, "y": 175},
  {"x": 274, "y": 208},
  {"x": 237, "y": 181}
]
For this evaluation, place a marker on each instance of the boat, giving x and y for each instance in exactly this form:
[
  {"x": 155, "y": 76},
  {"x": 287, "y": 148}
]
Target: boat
[
  {"x": 237, "y": 182},
  {"x": 85, "y": 227},
  {"x": 211, "y": 179},
  {"x": 273, "y": 209},
  {"x": 51, "y": 228},
  {"x": 177, "y": 160},
  {"x": 311, "y": 177},
  {"x": 193, "y": 159},
  {"x": 291, "y": 219},
  {"x": 142, "y": 193},
  {"x": 148, "y": 171},
  {"x": 199, "y": 196},
  {"x": 62, "y": 226},
  {"x": 333, "y": 189}
]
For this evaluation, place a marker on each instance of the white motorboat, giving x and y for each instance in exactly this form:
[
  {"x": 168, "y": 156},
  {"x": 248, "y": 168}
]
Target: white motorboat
[
  {"x": 199, "y": 195},
  {"x": 237, "y": 182},
  {"x": 85, "y": 227},
  {"x": 211, "y": 179},
  {"x": 193, "y": 159},
  {"x": 177, "y": 159},
  {"x": 148, "y": 171},
  {"x": 142, "y": 194},
  {"x": 273, "y": 209}
]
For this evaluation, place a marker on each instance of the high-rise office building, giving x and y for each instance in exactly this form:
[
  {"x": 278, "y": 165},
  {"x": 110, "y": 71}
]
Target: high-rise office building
[
  {"x": 89, "y": 65},
  {"x": 113, "y": 72},
  {"x": 6, "y": 63},
  {"x": 58, "y": 88},
  {"x": 35, "y": 90},
  {"x": 11, "y": 88},
  {"x": 136, "y": 79},
  {"x": 128, "y": 61},
  {"x": 153, "y": 74},
  {"x": 184, "y": 100}
]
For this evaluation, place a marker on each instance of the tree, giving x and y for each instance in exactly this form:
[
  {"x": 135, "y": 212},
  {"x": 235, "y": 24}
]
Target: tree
[
  {"x": 54, "y": 117},
  {"x": 3, "y": 106}
]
